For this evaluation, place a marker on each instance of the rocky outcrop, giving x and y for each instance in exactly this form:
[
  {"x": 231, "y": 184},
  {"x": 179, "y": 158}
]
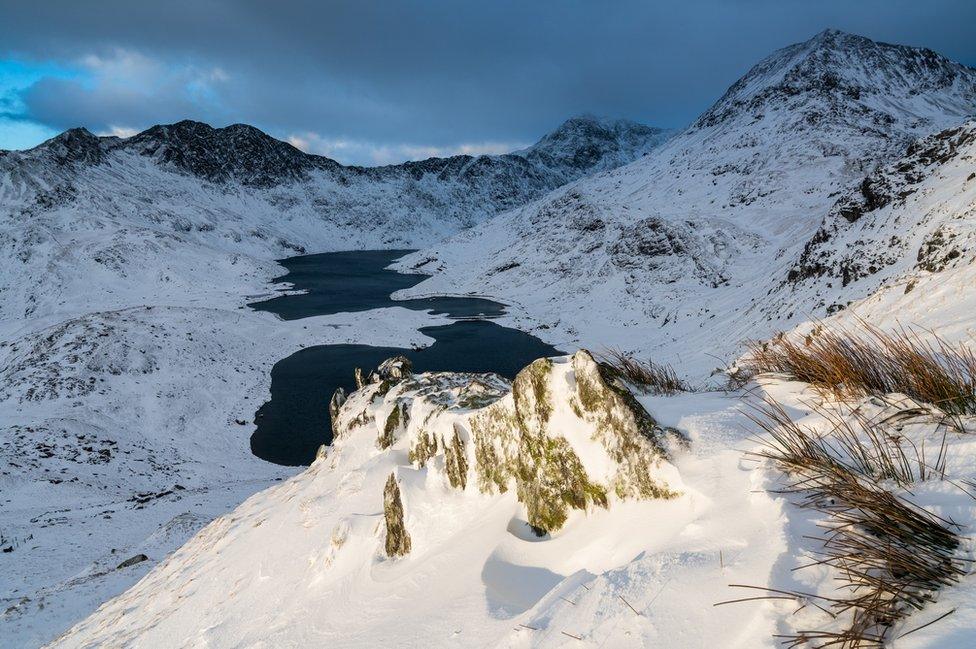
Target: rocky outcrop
[
  {"x": 338, "y": 398},
  {"x": 396, "y": 422},
  {"x": 564, "y": 435},
  {"x": 519, "y": 442},
  {"x": 392, "y": 369},
  {"x": 237, "y": 152},
  {"x": 397, "y": 538}
]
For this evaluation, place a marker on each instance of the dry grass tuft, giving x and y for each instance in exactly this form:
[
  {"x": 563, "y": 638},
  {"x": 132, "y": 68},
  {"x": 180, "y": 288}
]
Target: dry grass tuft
[
  {"x": 873, "y": 362},
  {"x": 891, "y": 555},
  {"x": 647, "y": 376}
]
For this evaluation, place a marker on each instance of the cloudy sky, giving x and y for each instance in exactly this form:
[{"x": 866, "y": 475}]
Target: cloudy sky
[{"x": 375, "y": 82}]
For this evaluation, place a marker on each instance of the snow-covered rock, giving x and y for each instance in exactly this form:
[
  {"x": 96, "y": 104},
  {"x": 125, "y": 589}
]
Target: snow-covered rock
[{"x": 564, "y": 435}]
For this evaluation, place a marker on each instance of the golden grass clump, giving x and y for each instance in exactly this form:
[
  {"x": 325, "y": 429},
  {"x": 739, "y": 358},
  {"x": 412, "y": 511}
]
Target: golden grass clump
[
  {"x": 646, "y": 376},
  {"x": 891, "y": 556},
  {"x": 870, "y": 361}
]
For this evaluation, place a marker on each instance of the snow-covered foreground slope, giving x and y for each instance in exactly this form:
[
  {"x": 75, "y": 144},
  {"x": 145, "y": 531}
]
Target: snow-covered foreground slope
[
  {"x": 416, "y": 534},
  {"x": 677, "y": 253},
  {"x": 126, "y": 431},
  {"x": 315, "y": 549}
]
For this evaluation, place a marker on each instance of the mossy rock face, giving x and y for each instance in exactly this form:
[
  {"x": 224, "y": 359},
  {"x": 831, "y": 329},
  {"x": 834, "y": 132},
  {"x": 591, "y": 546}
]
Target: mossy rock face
[
  {"x": 456, "y": 461},
  {"x": 396, "y": 422},
  {"x": 533, "y": 399},
  {"x": 424, "y": 448},
  {"x": 335, "y": 403},
  {"x": 552, "y": 480},
  {"x": 628, "y": 433},
  {"x": 495, "y": 432},
  {"x": 515, "y": 441},
  {"x": 397, "y": 538}
]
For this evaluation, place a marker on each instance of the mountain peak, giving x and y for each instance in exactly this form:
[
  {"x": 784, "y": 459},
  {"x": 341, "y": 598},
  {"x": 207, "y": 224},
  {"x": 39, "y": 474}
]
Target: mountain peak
[
  {"x": 836, "y": 37},
  {"x": 75, "y": 146},
  {"x": 834, "y": 75},
  {"x": 239, "y": 151},
  {"x": 595, "y": 143}
]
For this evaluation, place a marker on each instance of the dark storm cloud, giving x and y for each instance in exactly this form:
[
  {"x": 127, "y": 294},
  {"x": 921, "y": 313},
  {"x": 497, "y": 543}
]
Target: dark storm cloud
[{"x": 427, "y": 74}]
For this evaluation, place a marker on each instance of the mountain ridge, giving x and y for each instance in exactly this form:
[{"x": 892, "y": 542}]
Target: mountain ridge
[
  {"x": 220, "y": 154},
  {"x": 692, "y": 237}
]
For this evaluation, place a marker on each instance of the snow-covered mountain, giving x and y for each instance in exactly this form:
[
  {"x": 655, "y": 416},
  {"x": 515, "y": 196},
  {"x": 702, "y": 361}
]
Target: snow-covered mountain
[
  {"x": 685, "y": 243},
  {"x": 400, "y": 204},
  {"x": 239, "y": 191},
  {"x": 588, "y": 144},
  {"x": 129, "y": 369}
]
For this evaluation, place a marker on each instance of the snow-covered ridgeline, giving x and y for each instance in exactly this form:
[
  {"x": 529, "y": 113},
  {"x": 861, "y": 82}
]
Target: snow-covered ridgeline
[
  {"x": 677, "y": 254},
  {"x": 474, "y": 465}
]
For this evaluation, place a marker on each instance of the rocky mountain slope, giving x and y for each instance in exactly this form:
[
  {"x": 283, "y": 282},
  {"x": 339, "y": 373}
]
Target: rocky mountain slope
[
  {"x": 403, "y": 204},
  {"x": 916, "y": 214},
  {"x": 678, "y": 251},
  {"x": 130, "y": 370}
]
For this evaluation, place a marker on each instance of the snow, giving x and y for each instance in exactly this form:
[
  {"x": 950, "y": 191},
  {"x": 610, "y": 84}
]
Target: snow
[
  {"x": 303, "y": 562},
  {"x": 475, "y": 574},
  {"x": 128, "y": 360},
  {"x": 169, "y": 387}
]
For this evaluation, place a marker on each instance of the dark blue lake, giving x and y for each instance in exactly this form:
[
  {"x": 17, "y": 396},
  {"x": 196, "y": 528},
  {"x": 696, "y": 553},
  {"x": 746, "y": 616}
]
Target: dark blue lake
[{"x": 292, "y": 425}]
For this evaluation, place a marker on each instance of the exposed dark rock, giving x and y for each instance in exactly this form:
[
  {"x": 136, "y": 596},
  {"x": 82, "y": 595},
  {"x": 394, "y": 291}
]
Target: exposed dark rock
[
  {"x": 338, "y": 398},
  {"x": 397, "y": 421},
  {"x": 828, "y": 253},
  {"x": 238, "y": 152},
  {"x": 76, "y": 146},
  {"x": 397, "y": 538},
  {"x": 131, "y": 561}
]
